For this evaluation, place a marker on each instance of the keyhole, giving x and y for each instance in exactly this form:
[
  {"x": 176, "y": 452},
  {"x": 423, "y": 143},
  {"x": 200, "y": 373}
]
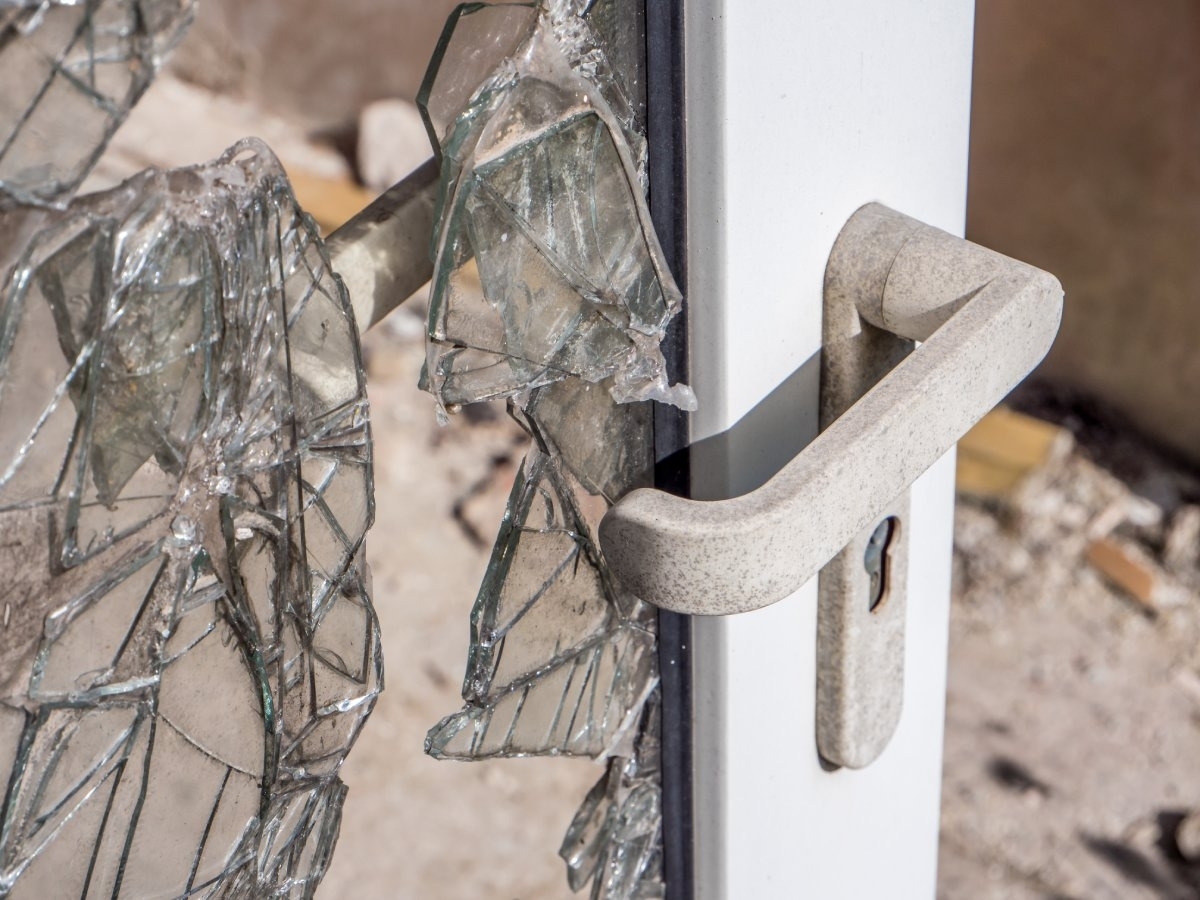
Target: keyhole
[{"x": 876, "y": 560}]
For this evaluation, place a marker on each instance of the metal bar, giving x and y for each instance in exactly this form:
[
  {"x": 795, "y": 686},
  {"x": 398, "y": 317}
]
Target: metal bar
[{"x": 383, "y": 253}]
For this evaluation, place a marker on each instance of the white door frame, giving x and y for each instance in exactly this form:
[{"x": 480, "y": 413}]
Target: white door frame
[{"x": 797, "y": 113}]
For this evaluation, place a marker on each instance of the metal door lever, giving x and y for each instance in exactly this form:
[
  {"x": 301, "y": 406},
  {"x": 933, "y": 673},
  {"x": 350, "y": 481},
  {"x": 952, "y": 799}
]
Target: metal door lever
[{"x": 985, "y": 321}]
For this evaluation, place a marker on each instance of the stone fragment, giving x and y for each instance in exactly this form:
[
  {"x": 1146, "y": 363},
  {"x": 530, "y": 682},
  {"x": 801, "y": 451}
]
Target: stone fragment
[
  {"x": 391, "y": 142},
  {"x": 1181, "y": 552}
]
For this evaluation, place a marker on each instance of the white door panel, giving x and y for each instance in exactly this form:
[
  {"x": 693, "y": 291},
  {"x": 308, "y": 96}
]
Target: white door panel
[{"x": 797, "y": 114}]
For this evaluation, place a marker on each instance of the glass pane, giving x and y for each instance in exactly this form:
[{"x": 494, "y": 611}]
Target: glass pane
[
  {"x": 189, "y": 645},
  {"x": 71, "y": 72},
  {"x": 550, "y": 289}
]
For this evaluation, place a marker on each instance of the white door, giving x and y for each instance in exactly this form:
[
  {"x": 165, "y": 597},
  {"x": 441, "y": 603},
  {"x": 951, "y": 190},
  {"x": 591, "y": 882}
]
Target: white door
[{"x": 796, "y": 114}]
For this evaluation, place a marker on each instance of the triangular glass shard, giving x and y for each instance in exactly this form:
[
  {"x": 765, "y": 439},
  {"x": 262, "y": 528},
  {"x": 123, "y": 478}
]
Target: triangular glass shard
[
  {"x": 543, "y": 587},
  {"x": 561, "y": 661},
  {"x": 547, "y": 589},
  {"x": 572, "y": 194},
  {"x": 584, "y": 703}
]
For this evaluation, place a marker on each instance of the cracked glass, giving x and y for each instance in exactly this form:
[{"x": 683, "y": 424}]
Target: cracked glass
[
  {"x": 71, "y": 70},
  {"x": 547, "y": 266},
  {"x": 550, "y": 290},
  {"x": 188, "y": 646}
]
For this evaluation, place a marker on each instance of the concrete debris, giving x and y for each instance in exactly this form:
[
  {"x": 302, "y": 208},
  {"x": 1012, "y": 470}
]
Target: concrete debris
[
  {"x": 1181, "y": 550},
  {"x": 999, "y": 456},
  {"x": 1187, "y": 837}
]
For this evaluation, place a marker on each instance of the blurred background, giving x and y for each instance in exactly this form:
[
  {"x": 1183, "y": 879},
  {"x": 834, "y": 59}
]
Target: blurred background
[
  {"x": 1072, "y": 720},
  {"x": 1073, "y": 723}
]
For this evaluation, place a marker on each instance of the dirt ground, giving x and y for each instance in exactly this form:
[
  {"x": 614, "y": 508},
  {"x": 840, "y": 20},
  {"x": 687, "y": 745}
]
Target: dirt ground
[{"x": 1073, "y": 717}]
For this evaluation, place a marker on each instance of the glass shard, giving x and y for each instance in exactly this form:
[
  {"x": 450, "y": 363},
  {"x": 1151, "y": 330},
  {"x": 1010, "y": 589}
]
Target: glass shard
[
  {"x": 477, "y": 38},
  {"x": 185, "y": 484},
  {"x": 71, "y": 71},
  {"x": 615, "y": 840},
  {"x": 561, "y": 660},
  {"x": 550, "y": 289},
  {"x": 547, "y": 265}
]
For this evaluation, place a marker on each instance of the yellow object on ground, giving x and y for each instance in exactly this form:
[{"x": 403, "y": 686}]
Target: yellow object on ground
[{"x": 1006, "y": 447}]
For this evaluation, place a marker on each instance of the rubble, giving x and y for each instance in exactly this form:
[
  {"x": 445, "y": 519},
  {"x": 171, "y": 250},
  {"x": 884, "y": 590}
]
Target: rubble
[{"x": 1075, "y": 647}]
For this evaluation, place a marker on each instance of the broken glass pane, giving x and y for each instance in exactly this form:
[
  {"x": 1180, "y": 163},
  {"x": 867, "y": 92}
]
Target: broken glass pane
[
  {"x": 561, "y": 660},
  {"x": 550, "y": 289},
  {"x": 185, "y": 484},
  {"x": 547, "y": 266},
  {"x": 71, "y": 70},
  {"x": 614, "y": 840}
]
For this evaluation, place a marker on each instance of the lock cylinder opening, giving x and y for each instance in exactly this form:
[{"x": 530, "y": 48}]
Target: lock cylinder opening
[{"x": 877, "y": 561}]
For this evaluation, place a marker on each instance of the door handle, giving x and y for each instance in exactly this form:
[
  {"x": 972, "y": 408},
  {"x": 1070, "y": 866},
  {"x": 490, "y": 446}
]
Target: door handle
[{"x": 984, "y": 321}]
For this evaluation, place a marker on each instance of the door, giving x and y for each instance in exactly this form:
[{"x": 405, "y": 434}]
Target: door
[{"x": 771, "y": 123}]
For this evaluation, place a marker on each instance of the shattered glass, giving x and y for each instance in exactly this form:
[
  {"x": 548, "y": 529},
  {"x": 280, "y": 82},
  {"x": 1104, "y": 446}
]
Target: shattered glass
[
  {"x": 615, "y": 839},
  {"x": 71, "y": 70},
  {"x": 188, "y": 649},
  {"x": 547, "y": 266},
  {"x": 561, "y": 660},
  {"x": 550, "y": 289}
]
